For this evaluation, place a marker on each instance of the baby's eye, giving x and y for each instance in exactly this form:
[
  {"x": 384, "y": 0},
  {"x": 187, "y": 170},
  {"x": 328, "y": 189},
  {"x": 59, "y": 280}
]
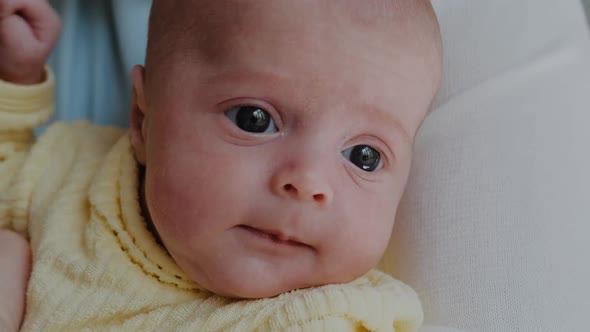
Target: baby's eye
[
  {"x": 364, "y": 157},
  {"x": 252, "y": 119}
]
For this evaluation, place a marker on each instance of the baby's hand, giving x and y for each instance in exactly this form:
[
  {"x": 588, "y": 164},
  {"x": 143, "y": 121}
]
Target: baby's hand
[{"x": 28, "y": 31}]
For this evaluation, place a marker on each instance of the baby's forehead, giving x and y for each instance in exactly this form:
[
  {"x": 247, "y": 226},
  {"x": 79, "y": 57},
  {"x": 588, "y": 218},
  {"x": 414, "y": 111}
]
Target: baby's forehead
[
  {"x": 212, "y": 26},
  {"x": 366, "y": 11}
]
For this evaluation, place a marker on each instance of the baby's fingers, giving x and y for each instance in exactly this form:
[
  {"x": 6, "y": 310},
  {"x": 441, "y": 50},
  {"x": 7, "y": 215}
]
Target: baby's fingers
[
  {"x": 28, "y": 32},
  {"x": 39, "y": 16}
]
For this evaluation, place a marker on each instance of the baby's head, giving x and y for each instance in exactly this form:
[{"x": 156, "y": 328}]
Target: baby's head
[{"x": 277, "y": 135}]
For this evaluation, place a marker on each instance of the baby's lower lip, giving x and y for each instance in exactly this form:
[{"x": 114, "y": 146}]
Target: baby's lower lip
[{"x": 273, "y": 237}]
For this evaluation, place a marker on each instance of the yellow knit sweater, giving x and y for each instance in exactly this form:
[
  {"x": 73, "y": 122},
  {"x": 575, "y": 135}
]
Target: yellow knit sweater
[{"x": 73, "y": 194}]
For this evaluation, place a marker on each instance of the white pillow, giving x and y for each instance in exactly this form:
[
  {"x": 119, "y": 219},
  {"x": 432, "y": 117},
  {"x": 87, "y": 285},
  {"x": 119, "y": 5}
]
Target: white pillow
[{"x": 494, "y": 229}]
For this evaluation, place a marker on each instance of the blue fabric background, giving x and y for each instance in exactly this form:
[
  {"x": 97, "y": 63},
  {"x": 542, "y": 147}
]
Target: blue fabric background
[{"x": 100, "y": 43}]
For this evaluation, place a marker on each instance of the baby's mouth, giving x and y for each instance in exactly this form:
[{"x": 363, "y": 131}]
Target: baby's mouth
[{"x": 275, "y": 236}]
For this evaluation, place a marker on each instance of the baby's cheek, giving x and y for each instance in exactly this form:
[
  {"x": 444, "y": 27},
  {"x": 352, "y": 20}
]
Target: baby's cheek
[
  {"x": 170, "y": 204},
  {"x": 357, "y": 244}
]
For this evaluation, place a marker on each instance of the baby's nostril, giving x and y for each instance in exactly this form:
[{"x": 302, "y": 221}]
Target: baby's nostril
[
  {"x": 290, "y": 188},
  {"x": 319, "y": 198}
]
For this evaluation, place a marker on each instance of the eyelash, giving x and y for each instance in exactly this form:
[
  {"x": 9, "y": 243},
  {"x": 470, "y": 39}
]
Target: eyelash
[
  {"x": 259, "y": 121},
  {"x": 251, "y": 102},
  {"x": 383, "y": 161}
]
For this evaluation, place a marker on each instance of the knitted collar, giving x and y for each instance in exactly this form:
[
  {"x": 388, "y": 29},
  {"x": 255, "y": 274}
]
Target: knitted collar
[{"x": 114, "y": 199}]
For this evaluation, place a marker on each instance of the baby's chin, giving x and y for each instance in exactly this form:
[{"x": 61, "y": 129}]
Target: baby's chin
[
  {"x": 245, "y": 290},
  {"x": 252, "y": 285},
  {"x": 261, "y": 283}
]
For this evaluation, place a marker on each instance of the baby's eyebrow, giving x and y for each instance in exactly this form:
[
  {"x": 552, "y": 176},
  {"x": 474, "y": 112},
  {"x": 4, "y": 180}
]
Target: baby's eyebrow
[
  {"x": 237, "y": 76},
  {"x": 385, "y": 119}
]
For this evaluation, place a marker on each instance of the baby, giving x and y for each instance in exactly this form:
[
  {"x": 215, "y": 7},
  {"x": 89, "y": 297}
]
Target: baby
[{"x": 269, "y": 147}]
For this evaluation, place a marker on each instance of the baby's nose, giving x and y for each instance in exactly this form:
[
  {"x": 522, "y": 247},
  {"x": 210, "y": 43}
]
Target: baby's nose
[{"x": 304, "y": 184}]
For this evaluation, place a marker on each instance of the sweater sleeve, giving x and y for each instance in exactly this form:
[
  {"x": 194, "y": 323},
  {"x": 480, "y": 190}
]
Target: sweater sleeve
[{"x": 22, "y": 108}]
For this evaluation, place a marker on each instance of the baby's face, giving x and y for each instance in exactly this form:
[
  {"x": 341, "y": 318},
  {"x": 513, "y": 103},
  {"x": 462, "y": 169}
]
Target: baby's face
[{"x": 276, "y": 158}]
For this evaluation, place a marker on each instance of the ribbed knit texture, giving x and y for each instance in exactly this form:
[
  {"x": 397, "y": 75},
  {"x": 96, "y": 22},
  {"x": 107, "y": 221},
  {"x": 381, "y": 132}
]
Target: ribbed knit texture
[{"x": 97, "y": 267}]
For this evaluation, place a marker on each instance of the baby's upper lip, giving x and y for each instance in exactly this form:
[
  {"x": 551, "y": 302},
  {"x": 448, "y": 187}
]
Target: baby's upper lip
[{"x": 276, "y": 234}]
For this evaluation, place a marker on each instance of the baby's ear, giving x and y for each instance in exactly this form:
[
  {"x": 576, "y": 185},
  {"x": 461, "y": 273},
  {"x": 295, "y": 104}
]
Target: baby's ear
[{"x": 138, "y": 119}]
